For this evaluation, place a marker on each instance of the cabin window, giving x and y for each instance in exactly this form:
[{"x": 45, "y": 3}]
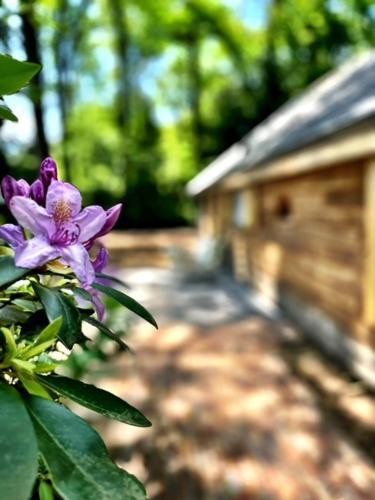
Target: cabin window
[
  {"x": 244, "y": 209},
  {"x": 283, "y": 208}
]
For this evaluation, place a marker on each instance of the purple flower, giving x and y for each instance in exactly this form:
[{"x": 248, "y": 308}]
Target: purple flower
[
  {"x": 112, "y": 214},
  {"x": 38, "y": 192},
  {"x": 10, "y": 187},
  {"x": 47, "y": 174},
  {"x": 99, "y": 264},
  {"x": 60, "y": 230},
  {"x": 101, "y": 260},
  {"x": 48, "y": 171},
  {"x": 98, "y": 303},
  {"x": 13, "y": 235}
]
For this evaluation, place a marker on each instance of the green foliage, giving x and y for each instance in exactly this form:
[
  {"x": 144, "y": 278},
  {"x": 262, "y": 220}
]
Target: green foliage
[
  {"x": 151, "y": 92},
  {"x": 127, "y": 302},
  {"x": 95, "y": 399},
  {"x": 75, "y": 463},
  {"x": 13, "y": 76},
  {"x": 97, "y": 151},
  {"x": 45, "y": 491},
  {"x": 9, "y": 272},
  {"x": 19, "y": 452},
  {"x": 107, "y": 332},
  {"x": 79, "y": 468},
  {"x": 58, "y": 305},
  {"x": 6, "y": 113}
]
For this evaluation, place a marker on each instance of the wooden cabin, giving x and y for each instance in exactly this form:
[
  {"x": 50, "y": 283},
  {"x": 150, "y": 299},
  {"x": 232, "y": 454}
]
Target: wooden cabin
[{"x": 294, "y": 202}]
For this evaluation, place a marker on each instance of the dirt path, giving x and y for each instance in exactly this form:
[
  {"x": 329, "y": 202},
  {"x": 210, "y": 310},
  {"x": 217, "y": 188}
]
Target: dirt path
[{"x": 236, "y": 412}]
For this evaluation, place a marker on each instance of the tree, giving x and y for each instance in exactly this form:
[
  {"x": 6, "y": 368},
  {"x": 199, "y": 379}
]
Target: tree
[{"x": 31, "y": 44}]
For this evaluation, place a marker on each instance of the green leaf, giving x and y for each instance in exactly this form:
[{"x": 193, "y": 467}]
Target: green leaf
[
  {"x": 25, "y": 367},
  {"x": 34, "y": 350},
  {"x": 45, "y": 339},
  {"x": 19, "y": 452},
  {"x": 11, "y": 314},
  {"x": 45, "y": 364},
  {"x": 6, "y": 113},
  {"x": 84, "y": 294},
  {"x": 112, "y": 278},
  {"x": 10, "y": 343},
  {"x": 51, "y": 331},
  {"x": 26, "y": 305},
  {"x": 95, "y": 399},
  {"x": 15, "y": 74},
  {"x": 45, "y": 491},
  {"x": 108, "y": 332},
  {"x": 33, "y": 386},
  {"x": 127, "y": 302},
  {"x": 56, "y": 304},
  {"x": 133, "y": 487},
  {"x": 9, "y": 272},
  {"x": 76, "y": 456}
]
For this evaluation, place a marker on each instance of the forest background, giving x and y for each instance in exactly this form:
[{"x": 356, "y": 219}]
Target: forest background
[{"x": 137, "y": 96}]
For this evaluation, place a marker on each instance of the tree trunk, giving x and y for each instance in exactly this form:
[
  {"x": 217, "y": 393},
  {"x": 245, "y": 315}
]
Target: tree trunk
[
  {"x": 121, "y": 36},
  {"x": 31, "y": 45}
]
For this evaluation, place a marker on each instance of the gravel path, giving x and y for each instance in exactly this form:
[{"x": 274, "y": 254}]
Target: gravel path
[{"x": 239, "y": 409}]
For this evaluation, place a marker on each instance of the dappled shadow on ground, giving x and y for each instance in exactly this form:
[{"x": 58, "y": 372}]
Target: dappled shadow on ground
[{"x": 233, "y": 418}]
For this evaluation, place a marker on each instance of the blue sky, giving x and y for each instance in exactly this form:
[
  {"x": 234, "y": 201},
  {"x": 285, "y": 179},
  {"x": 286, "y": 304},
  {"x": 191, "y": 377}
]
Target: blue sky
[{"x": 253, "y": 12}]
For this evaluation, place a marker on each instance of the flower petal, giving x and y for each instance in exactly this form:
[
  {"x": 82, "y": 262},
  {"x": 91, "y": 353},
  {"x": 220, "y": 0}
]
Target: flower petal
[
  {"x": 35, "y": 253},
  {"x": 112, "y": 214},
  {"x": 77, "y": 257},
  {"x": 101, "y": 260},
  {"x": 12, "y": 234},
  {"x": 37, "y": 192},
  {"x": 31, "y": 216},
  {"x": 90, "y": 221},
  {"x": 98, "y": 304},
  {"x": 10, "y": 187},
  {"x": 62, "y": 193},
  {"x": 23, "y": 188}
]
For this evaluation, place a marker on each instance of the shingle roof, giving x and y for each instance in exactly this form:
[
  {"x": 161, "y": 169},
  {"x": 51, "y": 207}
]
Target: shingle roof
[{"x": 340, "y": 99}]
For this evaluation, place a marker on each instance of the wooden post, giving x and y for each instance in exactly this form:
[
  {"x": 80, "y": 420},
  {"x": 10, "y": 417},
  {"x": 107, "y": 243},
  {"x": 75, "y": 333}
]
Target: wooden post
[{"x": 369, "y": 258}]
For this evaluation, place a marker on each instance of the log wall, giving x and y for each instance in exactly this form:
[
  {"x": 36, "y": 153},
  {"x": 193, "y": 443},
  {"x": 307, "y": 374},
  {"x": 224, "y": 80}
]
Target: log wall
[
  {"x": 215, "y": 218},
  {"x": 310, "y": 240}
]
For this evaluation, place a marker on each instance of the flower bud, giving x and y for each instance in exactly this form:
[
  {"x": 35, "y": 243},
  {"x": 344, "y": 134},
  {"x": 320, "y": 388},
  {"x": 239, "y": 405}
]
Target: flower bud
[
  {"x": 37, "y": 192},
  {"x": 10, "y": 187},
  {"x": 48, "y": 171}
]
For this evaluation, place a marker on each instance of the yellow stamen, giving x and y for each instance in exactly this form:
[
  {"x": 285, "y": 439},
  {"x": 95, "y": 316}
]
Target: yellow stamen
[{"x": 62, "y": 212}]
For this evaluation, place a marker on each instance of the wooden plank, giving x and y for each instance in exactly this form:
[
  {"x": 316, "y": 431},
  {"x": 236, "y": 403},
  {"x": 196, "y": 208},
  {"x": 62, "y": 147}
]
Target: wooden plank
[
  {"x": 336, "y": 303},
  {"x": 332, "y": 237},
  {"x": 312, "y": 277},
  {"x": 328, "y": 284},
  {"x": 369, "y": 263},
  {"x": 318, "y": 249}
]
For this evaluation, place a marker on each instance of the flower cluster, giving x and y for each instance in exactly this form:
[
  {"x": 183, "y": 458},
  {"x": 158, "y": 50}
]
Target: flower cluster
[{"x": 52, "y": 225}]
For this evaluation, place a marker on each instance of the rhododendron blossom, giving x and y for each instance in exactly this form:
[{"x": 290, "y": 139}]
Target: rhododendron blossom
[{"x": 51, "y": 210}]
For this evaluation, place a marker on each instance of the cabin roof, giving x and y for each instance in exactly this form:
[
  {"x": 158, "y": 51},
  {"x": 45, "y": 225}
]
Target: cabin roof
[{"x": 335, "y": 102}]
